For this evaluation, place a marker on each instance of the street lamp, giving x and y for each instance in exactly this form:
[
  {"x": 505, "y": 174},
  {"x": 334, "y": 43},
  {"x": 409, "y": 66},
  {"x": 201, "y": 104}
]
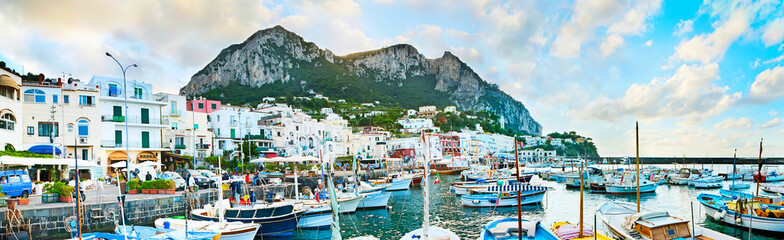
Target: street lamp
[{"x": 125, "y": 96}]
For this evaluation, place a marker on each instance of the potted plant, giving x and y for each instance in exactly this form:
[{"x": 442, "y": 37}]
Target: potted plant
[
  {"x": 64, "y": 191},
  {"x": 170, "y": 187},
  {"x": 146, "y": 186},
  {"x": 49, "y": 195},
  {"x": 133, "y": 187},
  {"x": 162, "y": 186}
]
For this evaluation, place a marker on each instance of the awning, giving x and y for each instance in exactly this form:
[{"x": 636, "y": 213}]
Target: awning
[
  {"x": 20, "y": 161},
  {"x": 146, "y": 156},
  {"x": 44, "y": 149},
  {"x": 118, "y": 155},
  {"x": 286, "y": 159},
  {"x": 6, "y": 80},
  {"x": 270, "y": 155}
]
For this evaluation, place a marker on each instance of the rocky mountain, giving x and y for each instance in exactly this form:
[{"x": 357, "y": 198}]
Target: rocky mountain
[{"x": 277, "y": 62}]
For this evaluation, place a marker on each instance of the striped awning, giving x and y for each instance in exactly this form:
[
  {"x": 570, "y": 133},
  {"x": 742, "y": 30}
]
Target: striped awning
[
  {"x": 515, "y": 188},
  {"x": 117, "y": 156},
  {"x": 146, "y": 156}
]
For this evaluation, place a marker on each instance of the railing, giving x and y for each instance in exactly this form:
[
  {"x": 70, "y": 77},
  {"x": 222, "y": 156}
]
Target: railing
[
  {"x": 132, "y": 144},
  {"x": 179, "y": 146},
  {"x": 203, "y": 146},
  {"x": 176, "y": 112},
  {"x": 260, "y": 137},
  {"x": 132, "y": 119}
]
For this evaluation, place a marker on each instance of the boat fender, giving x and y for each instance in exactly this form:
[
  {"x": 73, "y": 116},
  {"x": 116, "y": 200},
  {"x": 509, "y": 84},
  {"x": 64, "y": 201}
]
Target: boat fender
[
  {"x": 720, "y": 215},
  {"x": 166, "y": 225},
  {"x": 475, "y": 201},
  {"x": 492, "y": 200},
  {"x": 739, "y": 220}
]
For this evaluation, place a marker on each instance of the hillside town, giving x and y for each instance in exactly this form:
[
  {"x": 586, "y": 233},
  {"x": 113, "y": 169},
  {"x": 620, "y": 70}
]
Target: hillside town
[{"x": 87, "y": 120}]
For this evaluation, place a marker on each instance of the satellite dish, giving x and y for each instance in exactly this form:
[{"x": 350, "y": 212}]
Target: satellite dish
[{"x": 70, "y": 80}]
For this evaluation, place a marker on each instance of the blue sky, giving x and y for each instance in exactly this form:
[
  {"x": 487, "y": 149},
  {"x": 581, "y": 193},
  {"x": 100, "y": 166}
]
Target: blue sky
[{"x": 702, "y": 78}]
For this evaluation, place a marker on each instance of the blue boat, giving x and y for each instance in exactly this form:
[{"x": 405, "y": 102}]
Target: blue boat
[
  {"x": 276, "y": 220},
  {"x": 506, "y": 228}
]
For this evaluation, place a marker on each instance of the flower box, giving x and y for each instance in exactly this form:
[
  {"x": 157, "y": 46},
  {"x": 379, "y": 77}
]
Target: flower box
[
  {"x": 146, "y": 191},
  {"x": 134, "y": 191},
  {"x": 23, "y": 201},
  {"x": 68, "y": 199},
  {"x": 50, "y": 198},
  {"x": 169, "y": 191}
]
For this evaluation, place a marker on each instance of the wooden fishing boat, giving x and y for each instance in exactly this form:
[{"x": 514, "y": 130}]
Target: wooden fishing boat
[
  {"x": 735, "y": 212},
  {"x": 627, "y": 223}
]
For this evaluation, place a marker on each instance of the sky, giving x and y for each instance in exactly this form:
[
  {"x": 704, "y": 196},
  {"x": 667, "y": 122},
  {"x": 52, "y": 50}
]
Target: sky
[{"x": 701, "y": 78}]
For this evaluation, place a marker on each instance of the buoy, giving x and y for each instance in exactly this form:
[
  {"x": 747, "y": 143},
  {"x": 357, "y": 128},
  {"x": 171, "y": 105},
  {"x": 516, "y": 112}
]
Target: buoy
[
  {"x": 719, "y": 215},
  {"x": 738, "y": 220}
]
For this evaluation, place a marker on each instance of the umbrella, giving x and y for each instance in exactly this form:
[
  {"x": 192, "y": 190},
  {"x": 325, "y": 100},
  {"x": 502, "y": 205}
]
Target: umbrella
[
  {"x": 149, "y": 164},
  {"x": 120, "y": 164}
]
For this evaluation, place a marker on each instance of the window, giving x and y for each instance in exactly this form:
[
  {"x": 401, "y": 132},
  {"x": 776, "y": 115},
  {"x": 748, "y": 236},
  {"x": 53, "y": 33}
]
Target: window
[
  {"x": 86, "y": 100},
  {"x": 46, "y": 129},
  {"x": 14, "y": 179},
  {"x": 214, "y": 106},
  {"x": 66, "y": 99},
  {"x": 174, "y": 125},
  {"x": 113, "y": 90},
  {"x": 137, "y": 93},
  {"x": 34, "y": 95},
  {"x": 85, "y": 153},
  {"x": 69, "y": 128},
  {"x": 179, "y": 141},
  {"x": 54, "y": 99},
  {"x": 201, "y": 105},
  {"x": 30, "y": 130},
  {"x": 84, "y": 127},
  {"x": 7, "y": 121},
  {"x": 196, "y": 126},
  {"x": 118, "y": 138},
  {"x": 232, "y": 120}
]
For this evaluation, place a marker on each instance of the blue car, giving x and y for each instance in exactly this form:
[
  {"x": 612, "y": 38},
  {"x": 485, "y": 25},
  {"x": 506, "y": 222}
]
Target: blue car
[{"x": 15, "y": 183}]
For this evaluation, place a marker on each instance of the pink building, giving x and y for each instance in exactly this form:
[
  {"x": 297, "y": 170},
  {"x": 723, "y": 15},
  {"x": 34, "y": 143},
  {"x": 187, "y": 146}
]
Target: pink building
[{"x": 204, "y": 105}]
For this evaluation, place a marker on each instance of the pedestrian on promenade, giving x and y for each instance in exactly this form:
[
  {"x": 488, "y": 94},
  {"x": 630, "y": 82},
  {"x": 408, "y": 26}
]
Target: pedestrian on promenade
[{"x": 148, "y": 177}]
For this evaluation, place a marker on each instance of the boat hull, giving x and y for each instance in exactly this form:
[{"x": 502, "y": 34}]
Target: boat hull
[
  {"x": 320, "y": 217},
  {"x": 229, "y": 232},
  {"x": 541, "y": 232},
  {"x": 613, "y": 189},
  {"x": 490, "y": 200},
  {"x": 375, "y": 201},
  {"x": 399, "y": 184},
  {"x": 349, "y": 205},
  {"x": 767, "y": 224},
  {"x": 274, "y": 226}
]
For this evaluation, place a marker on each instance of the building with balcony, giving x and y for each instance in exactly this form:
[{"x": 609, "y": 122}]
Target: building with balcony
[
  {"x": 203, "y": 105},
  {"x": 537, "y": 154},
  {"x": 415, "y": 125},
  {"x": 232, "y": 125},
  {"x": 10, "y": 109},
  {"x": 188, "y": 131},
  {"x": 143, "y": 139}
]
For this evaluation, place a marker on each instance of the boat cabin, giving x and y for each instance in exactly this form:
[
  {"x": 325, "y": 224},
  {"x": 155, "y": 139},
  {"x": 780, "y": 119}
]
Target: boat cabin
[{"x": 661, "y": 226}]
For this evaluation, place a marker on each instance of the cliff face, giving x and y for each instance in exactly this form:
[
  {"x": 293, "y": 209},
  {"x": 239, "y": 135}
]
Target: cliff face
[{"x": 395, "y": 74}]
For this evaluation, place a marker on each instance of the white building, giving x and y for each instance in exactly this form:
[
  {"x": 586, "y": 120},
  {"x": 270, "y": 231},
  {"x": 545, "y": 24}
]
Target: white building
[
  {"x": 145, "y": 126},
  {"x": 411, "y": 113},
  {"x": 233, "y": 125},
  {"x": 326, "y": 111},
  {"x": 180, "y": 137},
  {"x": 415, "y": 125},
  {"x": 537, "y": 154},
  {"x": 451, "y": 109},
  {"x": 10, "y": 110}
]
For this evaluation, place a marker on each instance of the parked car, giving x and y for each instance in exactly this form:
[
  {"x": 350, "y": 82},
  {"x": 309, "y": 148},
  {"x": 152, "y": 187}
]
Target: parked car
[
  {"x": 201, "y": 181},
  {"x": 16, "y": 183},
  {"x": 210, "y": 175},
  {"x": 179, "y": 182}
]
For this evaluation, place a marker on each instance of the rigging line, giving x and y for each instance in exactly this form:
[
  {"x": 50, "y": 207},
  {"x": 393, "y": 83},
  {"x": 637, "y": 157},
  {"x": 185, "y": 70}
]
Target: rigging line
[{"x": 404, "y": 208}]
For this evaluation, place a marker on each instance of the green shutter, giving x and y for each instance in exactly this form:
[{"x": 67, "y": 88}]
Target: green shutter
[
  {"x": 145, "y": 139},
  {"x": 117, "y": 138},
  {"x": 118, "y": 111},
  {"x": 232, "y": 133},
  {"x": 145, "y": 116}
]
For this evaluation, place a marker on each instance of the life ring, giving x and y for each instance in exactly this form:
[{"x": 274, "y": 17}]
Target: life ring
[{"x": 475, "y": 201}]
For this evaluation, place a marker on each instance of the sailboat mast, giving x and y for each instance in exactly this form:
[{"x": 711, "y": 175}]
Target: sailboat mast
[
  {"x": 519, "y": 213},
  {"x": 426, "y": 222},
  {"x": 220, "y": 193},
  {"x": 333, "y": 202},
  {"x": 637, "y": 143},
  {"x": 759, "y": 170},
  {"x": 582, "y": 167},
  {"x": 734, "y": 168}
]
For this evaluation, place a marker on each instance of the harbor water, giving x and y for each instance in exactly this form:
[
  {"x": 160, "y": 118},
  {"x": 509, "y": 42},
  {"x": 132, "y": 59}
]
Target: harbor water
[{"x": 406, "y": 207}]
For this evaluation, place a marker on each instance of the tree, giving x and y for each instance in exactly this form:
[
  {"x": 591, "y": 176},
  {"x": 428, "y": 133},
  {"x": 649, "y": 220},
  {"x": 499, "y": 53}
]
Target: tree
[{"x": 442, "y": 120}]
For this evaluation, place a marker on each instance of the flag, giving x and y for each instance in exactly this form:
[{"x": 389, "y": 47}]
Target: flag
[
  {"x": 497, "y": 200},
  {"x": 437, "y": 179}
]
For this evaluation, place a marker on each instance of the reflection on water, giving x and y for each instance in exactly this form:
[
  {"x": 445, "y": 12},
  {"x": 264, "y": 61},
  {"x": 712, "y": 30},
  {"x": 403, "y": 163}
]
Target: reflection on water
[{"x": 560, "y": 204}]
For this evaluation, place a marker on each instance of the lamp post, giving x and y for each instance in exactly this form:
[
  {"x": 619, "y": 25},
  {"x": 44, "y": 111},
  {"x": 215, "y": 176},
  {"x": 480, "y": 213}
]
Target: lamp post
[{"x": 127, "y": 138}]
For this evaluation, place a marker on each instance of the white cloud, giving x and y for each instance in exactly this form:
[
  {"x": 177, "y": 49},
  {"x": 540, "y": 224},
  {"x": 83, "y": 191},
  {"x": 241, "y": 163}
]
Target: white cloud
[
  {"x": 774, "y": 32},
  {"x": 773, "y": 123},
  {"x": 683, "y": 27},
  {"x": 772, "y": 60},
  {"x": 773, "y": 113},
  {"x": 648, "y": 43},
  {"x": 706, "y": 48},
  {"x": 610, "y": 44},
  {"x": 768, "y": 85},
  {"x": 591, "y": 14},
  {"x": 730, "y": 123},
  {"x": 690, "y": 93}
]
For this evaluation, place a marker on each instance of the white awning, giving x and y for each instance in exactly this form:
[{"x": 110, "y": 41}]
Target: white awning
[
  {"x": 20, "y": 161},
  {"x": 286, "y": 159}
]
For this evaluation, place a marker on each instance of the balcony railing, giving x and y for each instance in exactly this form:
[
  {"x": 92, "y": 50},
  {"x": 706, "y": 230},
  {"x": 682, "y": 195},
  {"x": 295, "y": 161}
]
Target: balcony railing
[
  {"x": 203, "y": 146},
  {"x": 179, "y": 146},
  {"x": 132, "y": 144},
  {"x": 132, "y": 119},
  {"x": 258, "y": 137},
  {"x": 175, "y": 112}
]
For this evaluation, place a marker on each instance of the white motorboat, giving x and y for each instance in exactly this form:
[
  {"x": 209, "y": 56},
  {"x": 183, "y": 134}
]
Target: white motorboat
[{"x": 227, "y": 230}]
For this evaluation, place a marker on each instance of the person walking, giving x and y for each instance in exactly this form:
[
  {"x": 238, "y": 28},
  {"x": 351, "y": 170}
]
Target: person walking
[{"x": 148, "y": 177}]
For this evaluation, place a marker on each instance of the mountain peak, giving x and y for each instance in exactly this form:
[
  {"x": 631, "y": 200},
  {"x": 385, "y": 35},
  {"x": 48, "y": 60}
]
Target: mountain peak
[{"x": 276, "y": 62}]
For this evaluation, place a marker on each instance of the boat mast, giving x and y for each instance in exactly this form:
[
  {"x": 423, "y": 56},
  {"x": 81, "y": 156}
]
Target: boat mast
[
  {"x": 333, "y": 202},
  {"x": 78, "y": 191},
  {"x": 426, "y": 222},
  {"x": 220, "y": 193},
  {"x": 519, "y": 214},
  {"x": 637, "y": 143},
  {"x": 734, "y": 168},
  {"x": 759, "y": 171},
  {"x": 582, "y": 170}
]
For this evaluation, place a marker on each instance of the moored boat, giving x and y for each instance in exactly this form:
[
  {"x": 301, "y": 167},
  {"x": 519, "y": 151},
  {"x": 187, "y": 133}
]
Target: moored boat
[
  {"x": 228, "y": 231},
  {"x": 507, "y": 229}
]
